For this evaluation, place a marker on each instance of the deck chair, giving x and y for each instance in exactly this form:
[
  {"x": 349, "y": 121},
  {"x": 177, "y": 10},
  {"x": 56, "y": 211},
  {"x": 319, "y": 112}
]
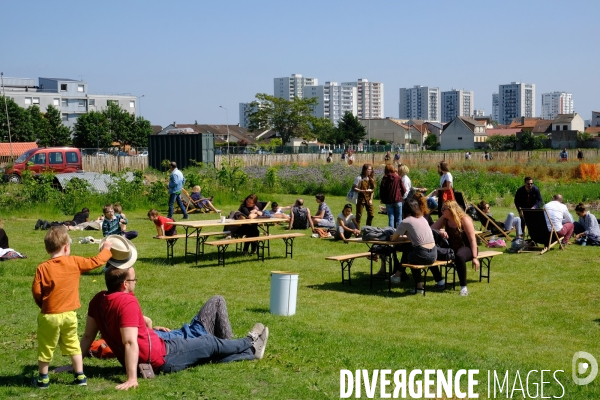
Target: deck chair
[
  {"x": 542, "y": 239},
  {"x": 193, "y": 206},
  {"x": 490, "y": 227},
  {"x": 460, "y": 199}
]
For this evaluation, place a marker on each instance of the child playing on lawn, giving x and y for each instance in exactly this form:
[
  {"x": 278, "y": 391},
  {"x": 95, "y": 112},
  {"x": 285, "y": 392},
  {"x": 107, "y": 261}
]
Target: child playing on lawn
[
  {"x": 115, "y": 223},
  {"x": 163, "y": 224},
  {"x": 56, "y": 291}
]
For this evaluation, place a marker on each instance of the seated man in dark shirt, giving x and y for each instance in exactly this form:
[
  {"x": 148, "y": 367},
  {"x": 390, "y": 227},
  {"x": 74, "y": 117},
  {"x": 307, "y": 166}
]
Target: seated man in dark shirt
[{"x": 528, "y": 196}]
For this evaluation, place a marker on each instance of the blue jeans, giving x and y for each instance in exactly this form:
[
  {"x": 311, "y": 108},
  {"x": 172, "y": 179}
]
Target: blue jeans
[
  {"x": 191, "y": 330},
  {"x": 431, "y": 203},
  {"x": 172, "y": 198},
  {"x": 184, "y": 353},
  {"x": 394, "y": 212},
  {"x": 512, "y": 221}
]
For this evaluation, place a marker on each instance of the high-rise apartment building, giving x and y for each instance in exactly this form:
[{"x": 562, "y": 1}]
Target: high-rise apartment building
[
  {"x": 288, "y": 88},
  {"x": 369, "y": 98},
  {"x": 516, "y": 100},
  {"x": 556, "y": 103},
  {"x": 333, "y": 100},
  {"x": 245, "y": 109},
  {"x": 420, "y": 102},
  {"x": 495, "y": 107},
  {"x": 457, "y": 103}
]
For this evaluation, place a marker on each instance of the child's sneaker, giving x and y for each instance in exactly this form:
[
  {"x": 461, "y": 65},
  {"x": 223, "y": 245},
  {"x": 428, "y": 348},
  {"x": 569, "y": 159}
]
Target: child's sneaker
[
  {"x": 80, "y": 380},
  {"x": 43, "y": 383}
]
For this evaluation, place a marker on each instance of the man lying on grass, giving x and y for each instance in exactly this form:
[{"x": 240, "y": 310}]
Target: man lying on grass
[{"x": 117, "y": 314}]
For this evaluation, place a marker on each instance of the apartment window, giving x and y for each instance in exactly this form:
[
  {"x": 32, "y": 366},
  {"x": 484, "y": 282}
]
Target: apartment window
[
  {"x": 132, "y": 104},
  {"x": 56, "y": 102},
  {"x": 565, "y": 127},
  {"x": 81, "y": 103},
  {"x": 63, "y": 87},
  {"x": 27, "y": 101},
  {"x": 92, "y": 102},
  {"x": 65, "y": 117},
  {"x": 459, "y": 138},
  {"x": 36, "y": 100},
  {"x": 80, "y": 88},
  {"x": 65, "y": 102}
]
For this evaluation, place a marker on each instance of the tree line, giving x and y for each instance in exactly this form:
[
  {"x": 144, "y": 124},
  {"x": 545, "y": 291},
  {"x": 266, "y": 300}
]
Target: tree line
[{"x": 92, "y": 129}]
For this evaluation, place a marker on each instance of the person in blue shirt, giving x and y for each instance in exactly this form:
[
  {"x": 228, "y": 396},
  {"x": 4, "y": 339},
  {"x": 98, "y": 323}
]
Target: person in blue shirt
[{"x": 175, "y": 185}]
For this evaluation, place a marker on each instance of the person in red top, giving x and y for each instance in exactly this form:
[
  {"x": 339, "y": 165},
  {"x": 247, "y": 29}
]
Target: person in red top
[
  {"x": 163, "y": 224},
  {"x": 117, "y": 315},
  {"x": 55, "y": 290}
]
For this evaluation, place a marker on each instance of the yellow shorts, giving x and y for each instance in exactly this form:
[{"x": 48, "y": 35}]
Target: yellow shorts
[{"x": 56, "y": 329}]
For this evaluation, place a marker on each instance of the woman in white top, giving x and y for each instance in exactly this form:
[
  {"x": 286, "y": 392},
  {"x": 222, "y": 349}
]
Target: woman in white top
[
  {"x": 345, "y": 224},
  {"x": 406, "y": 184}
]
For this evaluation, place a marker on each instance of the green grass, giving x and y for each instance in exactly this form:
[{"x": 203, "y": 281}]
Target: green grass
[{"x": 535, "y": 314}]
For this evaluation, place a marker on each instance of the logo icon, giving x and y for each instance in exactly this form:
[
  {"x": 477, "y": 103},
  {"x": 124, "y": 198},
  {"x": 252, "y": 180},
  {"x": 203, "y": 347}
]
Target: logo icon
[{"x": 581, "y": 368}]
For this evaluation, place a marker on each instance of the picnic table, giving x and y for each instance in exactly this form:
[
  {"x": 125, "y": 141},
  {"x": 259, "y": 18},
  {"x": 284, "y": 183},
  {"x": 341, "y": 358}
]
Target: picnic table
[{"x": 194, "y": 228}]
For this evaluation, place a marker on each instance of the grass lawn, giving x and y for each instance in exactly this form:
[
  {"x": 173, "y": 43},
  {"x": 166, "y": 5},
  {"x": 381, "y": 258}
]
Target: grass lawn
[{"x": 536, "y": 312}]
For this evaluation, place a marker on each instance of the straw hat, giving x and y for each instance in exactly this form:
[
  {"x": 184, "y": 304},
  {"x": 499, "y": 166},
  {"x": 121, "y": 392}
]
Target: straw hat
[{"x": 124, "y": 253}]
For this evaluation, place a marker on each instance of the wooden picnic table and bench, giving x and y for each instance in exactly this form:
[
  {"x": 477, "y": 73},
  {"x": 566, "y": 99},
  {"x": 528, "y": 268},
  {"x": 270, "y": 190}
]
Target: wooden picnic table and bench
[
  {"x": 193, "y": 229},
  {"x": 346, "y": 261}
]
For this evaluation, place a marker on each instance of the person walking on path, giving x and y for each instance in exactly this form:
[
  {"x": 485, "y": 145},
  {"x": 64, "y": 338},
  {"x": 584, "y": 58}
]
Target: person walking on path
[{"x": 175, "y": 185}]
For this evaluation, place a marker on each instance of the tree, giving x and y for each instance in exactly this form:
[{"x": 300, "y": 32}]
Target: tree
[
  {"x": 140, "y": 131},
  {"x": 324, "y": 130},
  {"x": 21, "y": 129},
  {"x": 498, "y": 143},
  {"x": 91, "y": 130},
  {"x": 39, "y": 125},
  {"x": 431, "y": 142},
  {"x": 289, "y": 118},
  {"x": 528, "y": 141},
  {"x": 351, "y": 129},
  {"x": 120, "y": 124},
  {"x": 56, "y": 133}
]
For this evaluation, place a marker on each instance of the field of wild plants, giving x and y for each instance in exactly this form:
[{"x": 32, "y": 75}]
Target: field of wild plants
[{"x": 496, "y": 182}]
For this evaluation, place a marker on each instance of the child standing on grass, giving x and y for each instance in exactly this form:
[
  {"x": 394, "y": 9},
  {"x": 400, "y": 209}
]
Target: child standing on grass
[
  {"x": 163, "y": 224},
  {"x": 56, "y": 291}
]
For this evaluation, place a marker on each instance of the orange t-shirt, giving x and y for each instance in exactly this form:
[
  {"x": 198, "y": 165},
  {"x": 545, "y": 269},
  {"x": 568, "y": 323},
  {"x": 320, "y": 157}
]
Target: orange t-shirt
[{"x": 56, "y": 284}]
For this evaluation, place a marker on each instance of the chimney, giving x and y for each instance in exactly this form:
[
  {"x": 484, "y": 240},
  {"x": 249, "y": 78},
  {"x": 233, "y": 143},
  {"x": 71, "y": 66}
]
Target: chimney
[
  {"x": 175, "y": 124},
  {"x": 522, "y": 120}
]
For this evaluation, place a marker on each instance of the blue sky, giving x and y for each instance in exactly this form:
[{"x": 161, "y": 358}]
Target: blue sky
[{"x": 190, "y": 57}]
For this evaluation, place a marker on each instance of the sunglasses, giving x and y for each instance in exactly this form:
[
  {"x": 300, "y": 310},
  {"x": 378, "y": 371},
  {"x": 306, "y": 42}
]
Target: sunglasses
[{"x": 131, "y": 280}]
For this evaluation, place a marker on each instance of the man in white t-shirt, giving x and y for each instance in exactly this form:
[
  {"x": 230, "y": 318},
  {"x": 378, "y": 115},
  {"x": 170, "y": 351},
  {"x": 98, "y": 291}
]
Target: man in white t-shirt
[{"x": 560, "y": 217}]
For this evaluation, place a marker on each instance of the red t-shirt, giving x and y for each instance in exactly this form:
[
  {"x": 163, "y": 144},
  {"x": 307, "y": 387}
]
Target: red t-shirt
[
  {"x": 121, "y": 310},
  {"x": 164, "y": 221}
]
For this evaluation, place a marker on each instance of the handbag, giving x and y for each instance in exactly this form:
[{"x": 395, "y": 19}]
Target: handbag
[{"x": 352, "y": 196}]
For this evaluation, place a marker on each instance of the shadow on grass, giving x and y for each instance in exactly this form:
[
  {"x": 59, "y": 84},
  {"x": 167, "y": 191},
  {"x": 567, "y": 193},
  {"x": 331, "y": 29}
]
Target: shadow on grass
[
  {"x": 361, "y": 285},
  {"x": 259, "y": 310},
  {"x": 25, "y": 378}
]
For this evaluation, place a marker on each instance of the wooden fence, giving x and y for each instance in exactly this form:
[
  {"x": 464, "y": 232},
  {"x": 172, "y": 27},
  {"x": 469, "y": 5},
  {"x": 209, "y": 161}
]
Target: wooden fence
[{"x": 425, "y": 159}]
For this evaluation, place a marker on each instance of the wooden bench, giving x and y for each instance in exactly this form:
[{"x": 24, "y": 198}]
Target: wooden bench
[
  {"x": 203, "y": 236},
  {"x": 346, "y": 262},
  {"x": 261, "y": 241},
  {"x": 484, "y": 257}
]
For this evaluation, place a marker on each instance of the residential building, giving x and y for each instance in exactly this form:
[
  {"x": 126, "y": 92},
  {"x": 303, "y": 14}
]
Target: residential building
[
  {"x": 568, "y": 122},
  {"x": 389, "y": 129},
  {"x": 69, "y": 96},
  {"x": 478, "y": 113},
  {"x": 333, "y": 100},
  {"x": 516, "y": 100},
  {"x": 290, "y": 87},
  {"x": 245, "y": 109},
  {"x": 595, "y": 121},
  {"x": 369, "y": 98},
  {"x": 420, "y": 102},
  {"x": 457, "y": 103},
  {"x": 495, "y": 107},
  {"x": 463, "y": 133},
  {"x": 556, "y": 103}
]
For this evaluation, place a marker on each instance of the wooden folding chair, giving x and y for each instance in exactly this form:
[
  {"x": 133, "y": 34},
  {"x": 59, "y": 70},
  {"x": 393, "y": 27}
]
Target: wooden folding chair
[
  {"x": 535, "y": 220},
  {"x": 190, "y": 204},
  {"x": 490, "y": 227}
]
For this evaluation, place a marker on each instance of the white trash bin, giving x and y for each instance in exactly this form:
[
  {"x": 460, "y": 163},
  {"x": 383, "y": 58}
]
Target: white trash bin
[{"x": 284, "y": 289}]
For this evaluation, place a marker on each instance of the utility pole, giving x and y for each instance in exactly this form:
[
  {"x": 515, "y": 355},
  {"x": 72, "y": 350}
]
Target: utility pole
[{"x": 7, "y": 118}]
